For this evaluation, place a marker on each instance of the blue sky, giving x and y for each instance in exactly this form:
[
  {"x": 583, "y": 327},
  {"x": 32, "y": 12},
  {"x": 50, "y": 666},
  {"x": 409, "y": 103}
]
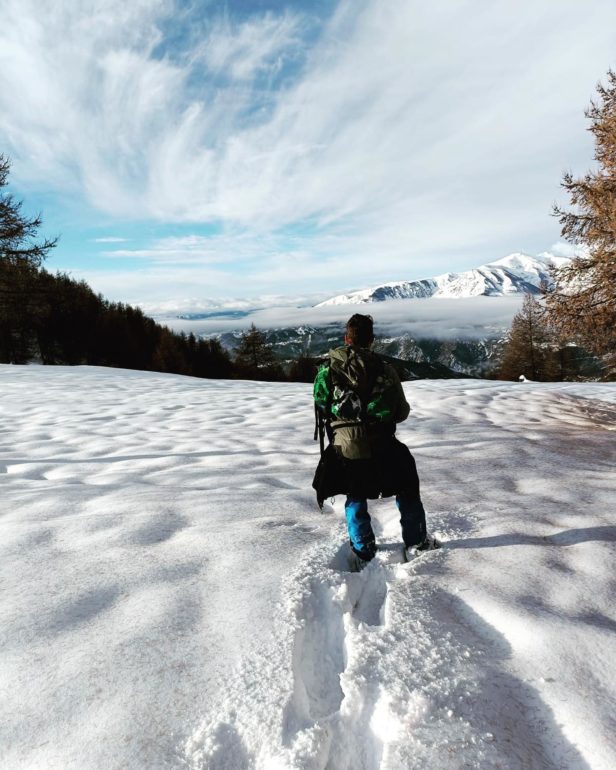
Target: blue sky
[{"x": 189, "y": 154}]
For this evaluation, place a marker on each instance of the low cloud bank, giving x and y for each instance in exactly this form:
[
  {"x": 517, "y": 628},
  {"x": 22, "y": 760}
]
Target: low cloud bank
[{"x": 463, "y": 318}]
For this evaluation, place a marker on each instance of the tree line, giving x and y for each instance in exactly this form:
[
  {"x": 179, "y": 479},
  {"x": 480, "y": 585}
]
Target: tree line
[{"x": 54, "y": 319}]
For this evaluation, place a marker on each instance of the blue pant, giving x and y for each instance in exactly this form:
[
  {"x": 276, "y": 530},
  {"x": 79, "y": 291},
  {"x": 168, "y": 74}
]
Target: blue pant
[{"x": 412, "y": 521}]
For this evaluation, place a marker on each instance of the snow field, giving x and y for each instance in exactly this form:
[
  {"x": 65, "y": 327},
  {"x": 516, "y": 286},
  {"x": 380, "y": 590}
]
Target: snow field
[
  {"x": 172, "y": 596},
  {"x": 138, "y": 534},
  {"x": 447, "y": 662}
]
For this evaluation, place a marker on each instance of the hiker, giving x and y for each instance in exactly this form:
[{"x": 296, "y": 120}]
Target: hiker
[{"x": 360, "y": 399}]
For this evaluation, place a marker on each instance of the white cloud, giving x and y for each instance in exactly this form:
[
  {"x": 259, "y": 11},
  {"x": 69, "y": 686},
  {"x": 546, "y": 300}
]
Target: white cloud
[
  {"x": 80, "y": 93},
  {"x": 171, "y": 308},
  {"x": 241, "y": 51},
  {"x": 464, "y": 318},
  {"x": 416, "y": 137},
  {"x": 564, "y": 249},
  {"x": 110, "y": 239},
  {"x": 197, "y": 273},
  {"x": 156, "y": 285},
  {"x": 197, "y": 249}
]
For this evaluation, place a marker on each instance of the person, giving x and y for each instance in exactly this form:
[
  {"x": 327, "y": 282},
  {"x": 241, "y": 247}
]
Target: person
[{"x": 360, "y": 398}]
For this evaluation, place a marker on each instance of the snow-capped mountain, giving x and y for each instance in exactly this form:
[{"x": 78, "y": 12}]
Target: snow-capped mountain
[{"x": 514, "y": 274}]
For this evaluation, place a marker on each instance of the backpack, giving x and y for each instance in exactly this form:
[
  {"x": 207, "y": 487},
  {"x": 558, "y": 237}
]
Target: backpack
[{"x": 354, "y": 389}]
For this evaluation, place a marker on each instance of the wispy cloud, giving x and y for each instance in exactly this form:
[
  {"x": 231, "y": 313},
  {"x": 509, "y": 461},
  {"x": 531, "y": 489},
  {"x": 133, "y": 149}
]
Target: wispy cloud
[
  {"x": 259, "y": 263},
  {"x": 401, "y": 138},
  {"x": 241, "y": 51},
  {"x": 110, "y": 239},
  {"x": 197, "y": 250}
]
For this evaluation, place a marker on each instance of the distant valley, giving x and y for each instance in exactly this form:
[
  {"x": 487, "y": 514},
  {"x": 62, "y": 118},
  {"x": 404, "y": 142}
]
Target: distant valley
[{"x": 455, "y": 323}]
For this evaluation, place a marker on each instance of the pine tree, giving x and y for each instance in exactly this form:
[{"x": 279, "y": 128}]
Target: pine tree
[
  {"x": 17, "y": 233},
  {"x": 529, "y": 349},
  {"x": 210, "y": 359},
  {"x": 255, "y": 359},
  {"x": 582, "y": 304},
  {"x": 168, "y": 355},
  {"x": 20, "y": 257},
  {"x": 253, "y": 351}
]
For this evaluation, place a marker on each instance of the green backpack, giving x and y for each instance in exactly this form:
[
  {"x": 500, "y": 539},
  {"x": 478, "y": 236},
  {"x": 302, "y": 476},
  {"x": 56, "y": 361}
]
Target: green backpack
[{"x": 355, "y": 387}]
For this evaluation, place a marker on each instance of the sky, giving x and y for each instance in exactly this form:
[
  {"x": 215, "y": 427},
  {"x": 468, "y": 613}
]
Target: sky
[{"x": 199, "y": 155}]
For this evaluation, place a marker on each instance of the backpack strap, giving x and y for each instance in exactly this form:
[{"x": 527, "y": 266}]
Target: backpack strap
[
  {"x": 379, "y": 371},
  {"x": 322, "y": 409}
]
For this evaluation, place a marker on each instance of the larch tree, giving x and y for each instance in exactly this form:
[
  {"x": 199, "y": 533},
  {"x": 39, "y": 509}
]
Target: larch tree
[
  {"x": 529, "y": 350},
  {"x": 255, "y": 357},
  {"x": 582, "y": 303},
  {"x": 253, "y": 351}
]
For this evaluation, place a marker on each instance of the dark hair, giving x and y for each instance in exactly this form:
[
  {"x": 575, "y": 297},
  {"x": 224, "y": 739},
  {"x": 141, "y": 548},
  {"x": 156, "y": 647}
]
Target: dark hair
[{"x": 359, "y": 330}]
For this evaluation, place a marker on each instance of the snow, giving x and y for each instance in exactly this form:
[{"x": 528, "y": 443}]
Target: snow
[
  {"x": 530, "y": 266},
  {"x": 516, "y": 273},
  {"x": 172, "y": 597}
]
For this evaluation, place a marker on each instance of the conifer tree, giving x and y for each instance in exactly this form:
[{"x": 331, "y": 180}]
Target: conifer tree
[
  {"x": 255, "y": 358},
  {"x": 253, "y": 351},
  {"x": 582, "y": 304},
  {"x": 168, "y": 355},
  {"x": 18, "y": 232},
  {"x": 528, "y": 351},
  {"x": 20, "y": 257},
  {"x": 303, "y": 369}
]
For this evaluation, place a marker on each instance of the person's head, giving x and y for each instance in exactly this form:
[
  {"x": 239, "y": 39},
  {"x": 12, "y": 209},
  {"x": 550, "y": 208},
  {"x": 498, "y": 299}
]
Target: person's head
[{"x": 359, "y": 331}]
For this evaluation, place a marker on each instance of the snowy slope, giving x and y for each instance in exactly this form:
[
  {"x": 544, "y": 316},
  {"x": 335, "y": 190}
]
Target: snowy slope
[
  {"x": 514, "y": 274},
  {"x": 172, "y": 597}
]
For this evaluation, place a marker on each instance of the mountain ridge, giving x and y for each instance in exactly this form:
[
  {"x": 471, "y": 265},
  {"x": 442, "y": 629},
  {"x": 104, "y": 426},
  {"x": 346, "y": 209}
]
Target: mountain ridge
[{"x": 516, "y": 273}]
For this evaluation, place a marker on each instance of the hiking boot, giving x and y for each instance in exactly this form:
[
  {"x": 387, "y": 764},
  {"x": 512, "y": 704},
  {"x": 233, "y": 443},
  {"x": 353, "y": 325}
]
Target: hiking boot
[
  {"x": 358, "y": 559},
  {"x": 429, "y": 543},
  {"x": 356, "y": 563},
  {"x": 366, "y": 552}
]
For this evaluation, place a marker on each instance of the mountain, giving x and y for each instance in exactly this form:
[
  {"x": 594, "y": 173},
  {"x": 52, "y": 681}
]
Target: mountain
[
  {"x": 514, "y": 274},
  {"x": 462, "y": 334},
  {"x": 415, "y": 358}
]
